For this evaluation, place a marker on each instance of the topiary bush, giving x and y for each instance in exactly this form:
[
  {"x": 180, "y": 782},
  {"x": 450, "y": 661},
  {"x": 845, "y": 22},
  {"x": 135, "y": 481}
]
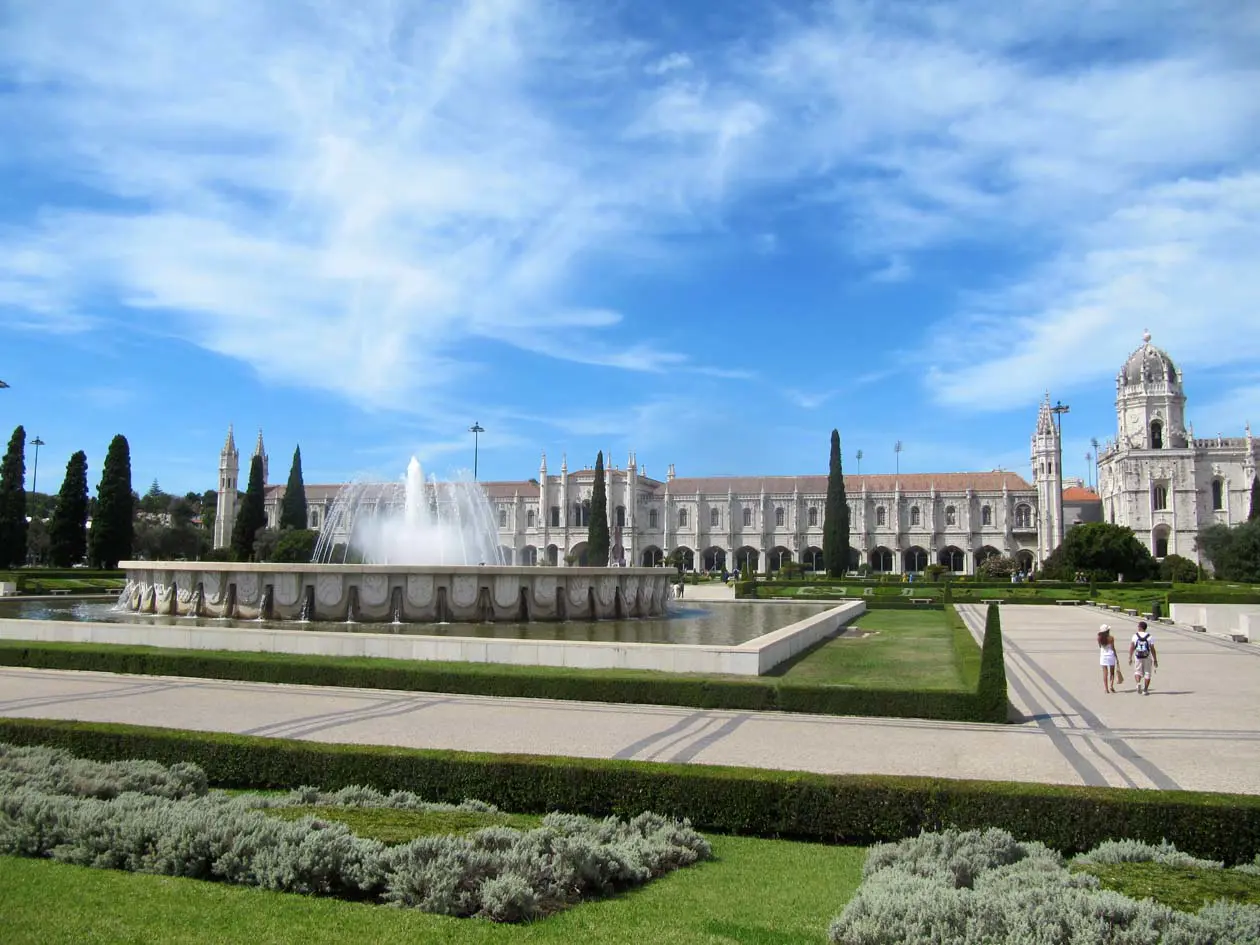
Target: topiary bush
[{"x": 991, "y": 694}]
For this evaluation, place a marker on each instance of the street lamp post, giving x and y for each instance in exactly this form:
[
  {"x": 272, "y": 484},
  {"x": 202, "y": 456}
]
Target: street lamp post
[
  {"x": 476, "y": 430},
  {"x": 37, "y": 443},
  {"x": 1059, "y": 409},
  {"x": 897, "y": 450},
  {"x": 859, "y": 462},
  {"x": 1093, "y": 441}
]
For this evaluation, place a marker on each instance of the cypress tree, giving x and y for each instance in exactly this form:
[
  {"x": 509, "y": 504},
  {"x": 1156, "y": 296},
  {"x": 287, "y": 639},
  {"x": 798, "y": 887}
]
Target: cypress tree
[
  {"x": 13, "y": 502},
  {"x": 597, "y": 537},
  {"x": 252, "y": 514},
  {"x": 67, "y": 532},
  {"x": 836, "y": 515},
  {"x": 113, "y": 526},
  {"x": 1255, "y": 499},
  {"x": 293, "y": 507}
]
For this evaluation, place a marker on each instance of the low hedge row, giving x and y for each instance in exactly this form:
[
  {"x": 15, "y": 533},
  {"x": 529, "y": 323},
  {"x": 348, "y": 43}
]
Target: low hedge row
[
  {"x": 856, "y": 809},
  {"x": 760, "y": 693}
]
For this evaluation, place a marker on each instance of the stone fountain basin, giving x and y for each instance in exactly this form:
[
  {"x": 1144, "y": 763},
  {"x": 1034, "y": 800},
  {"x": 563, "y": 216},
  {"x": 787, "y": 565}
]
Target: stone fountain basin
[{"x": 385, "y": 593}]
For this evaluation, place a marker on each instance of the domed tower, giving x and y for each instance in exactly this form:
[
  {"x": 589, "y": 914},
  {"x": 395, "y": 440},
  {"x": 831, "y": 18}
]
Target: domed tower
[{"x": 1150, "y": 403}]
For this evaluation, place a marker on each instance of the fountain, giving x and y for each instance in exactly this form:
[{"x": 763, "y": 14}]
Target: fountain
[{"x": 412, "y": 552}]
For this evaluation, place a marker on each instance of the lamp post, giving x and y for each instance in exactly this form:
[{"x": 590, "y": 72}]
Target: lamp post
[
  {"x": 1093, "y": 441},
  {"x": 476, "y": 430},
  {"x": 37, "y": 443},
  {"x": 897, "y": 450},
  {"x": 859, "y": 462},
  {"x": 1059, "y": 409}
]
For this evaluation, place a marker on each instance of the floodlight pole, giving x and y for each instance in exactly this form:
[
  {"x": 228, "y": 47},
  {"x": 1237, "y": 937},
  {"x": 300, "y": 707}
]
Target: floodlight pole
[
  {"x": 37, "y": 443},
  {"x": 476, "y": 430}
]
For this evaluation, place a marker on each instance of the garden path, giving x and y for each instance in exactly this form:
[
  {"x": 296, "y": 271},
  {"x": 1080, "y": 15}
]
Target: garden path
[{"x": 1199, "y": 729}]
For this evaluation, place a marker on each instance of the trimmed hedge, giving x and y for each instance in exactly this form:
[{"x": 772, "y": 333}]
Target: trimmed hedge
[
  {"x": 855, "y": 809},
  {"x": 760, "y": 693},
  {"x": 991, "y": 693}
]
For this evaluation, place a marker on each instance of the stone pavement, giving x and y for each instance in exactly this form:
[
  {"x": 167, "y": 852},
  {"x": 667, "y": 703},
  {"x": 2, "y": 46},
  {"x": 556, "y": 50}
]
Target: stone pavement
[{"x": 1200, "y": 728}]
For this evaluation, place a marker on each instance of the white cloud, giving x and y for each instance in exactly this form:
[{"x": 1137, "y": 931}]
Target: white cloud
[
  {"x": 671, "y": 62},
  {"x": 347, "y": 196}
]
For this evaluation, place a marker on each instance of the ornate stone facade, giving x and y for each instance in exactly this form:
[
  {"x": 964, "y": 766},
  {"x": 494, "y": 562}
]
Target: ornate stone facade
[{"x": 1156, "y": 477}]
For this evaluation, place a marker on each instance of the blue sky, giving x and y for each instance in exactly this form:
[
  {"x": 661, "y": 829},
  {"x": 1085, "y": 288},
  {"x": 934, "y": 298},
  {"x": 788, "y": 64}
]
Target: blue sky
[{"x": 708, "y": 233}]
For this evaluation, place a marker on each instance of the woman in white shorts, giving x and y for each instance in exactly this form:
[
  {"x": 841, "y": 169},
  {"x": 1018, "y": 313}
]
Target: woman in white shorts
[{"x": 1107, "y": 658}]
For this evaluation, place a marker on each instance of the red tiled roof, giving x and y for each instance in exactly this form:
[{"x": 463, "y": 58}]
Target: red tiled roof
[
  {"x": 908, "y": 482},
  {"x": 1080, "y": 494},
  {"x": 815, "y": 485}
]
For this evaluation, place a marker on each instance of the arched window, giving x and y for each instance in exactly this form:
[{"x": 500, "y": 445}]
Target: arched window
[
  {"x": 881, "y": 517},
  {"x": 779, "y": 517},
  {"x": 1023, "y": 516},
  {"x": 1159, "y": 498},
  {"x": 1218, "y": 494},
  {"x": 503, "y": 518},
  {"x": 715, "y": 517},
  {"x": 986, "y": 515},
  {"x": 529, "y": 518},
  {"x": 914, "y": 515},
  {"x": 621, "y": 516},
  {"x": 682, "y": 518},
  {"x": 1157, "y": 435},
  {"x": 951, "y": 515},
  {"x": 747, "y": 518},
  {"x": 813, "y": 516},
  {"x": 651, "y": 518}
]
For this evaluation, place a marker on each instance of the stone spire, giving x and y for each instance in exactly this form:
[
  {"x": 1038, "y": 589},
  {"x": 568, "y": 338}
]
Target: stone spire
[
  {"x": 261, "y": 451},
  {"x": 229, "y": 445},
  {"x": 1045, "y": 423}
]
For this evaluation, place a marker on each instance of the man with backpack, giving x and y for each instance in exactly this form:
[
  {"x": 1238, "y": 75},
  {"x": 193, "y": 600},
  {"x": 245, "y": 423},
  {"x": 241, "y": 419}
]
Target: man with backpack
[{"x": 1142, "y": 648}]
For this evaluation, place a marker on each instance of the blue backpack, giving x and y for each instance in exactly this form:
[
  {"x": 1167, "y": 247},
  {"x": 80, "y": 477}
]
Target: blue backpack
[{"x": 1142, "y": 648}]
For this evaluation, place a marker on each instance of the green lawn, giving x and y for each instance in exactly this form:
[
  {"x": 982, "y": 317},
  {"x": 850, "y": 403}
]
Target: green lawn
[
  {"x": 1180, "y": 887},
  {"x": 767, "y": 892},
  {"x": 892, "y": 649}
]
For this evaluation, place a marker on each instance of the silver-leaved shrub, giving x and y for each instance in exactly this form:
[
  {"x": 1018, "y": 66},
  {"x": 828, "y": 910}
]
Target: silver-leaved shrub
[
  {"x": 147, "y": 818},
  {"x": 980, "y": 887}
]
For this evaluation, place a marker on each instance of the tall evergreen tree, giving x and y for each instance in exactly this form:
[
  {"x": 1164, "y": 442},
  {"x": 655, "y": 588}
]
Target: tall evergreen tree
[
  {"x": 1254, "y": 514},
  {"x": 836, "y": 515},
  {"x": 13, "y": 502},
  {"x": 113, "y": 525},
  {"x": 67, "y": 533},
  {"x": 293, "y": 508},
  {"x": 251, "y": 515},
  {"x": 597, "y": 538}
]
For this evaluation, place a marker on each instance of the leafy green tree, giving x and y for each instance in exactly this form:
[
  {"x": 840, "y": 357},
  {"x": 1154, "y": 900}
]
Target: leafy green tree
[
  {"x": 38, "y": 544},
  {"x": 252, "y": 514},
  {"x": 67, "y": 532},
  {"x": 40, "y": 505},
  {"x": 597, "y": 537},
  {"x": 293, "y": 506},
  {"x": 1254, "y": 513},
  {"x": 113, "y": 525},
  {"x": 1103, "y": 551},
  {"x": 1179, "y": 570},
  {"x": 295, "y": 546},
  {"x": 998, "y": 566},
  {"x": 13, "y": 502},
  {"x": 836, "y": 515},
  {"x": 1233, "y": 552},
  {"x": 155, "y": 501},
  {"x": 209, "y": 509}
]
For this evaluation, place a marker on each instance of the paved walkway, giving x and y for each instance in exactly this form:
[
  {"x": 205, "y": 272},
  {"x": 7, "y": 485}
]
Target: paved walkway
[{"x": 1200, "y": 729}]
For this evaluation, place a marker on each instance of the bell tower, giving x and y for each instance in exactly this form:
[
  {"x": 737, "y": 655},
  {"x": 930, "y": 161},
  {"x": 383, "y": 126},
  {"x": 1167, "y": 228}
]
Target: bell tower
[
  {"x": 1150, "y": 402},
  {"x": 1048, "y": 478},
  {"x": 225, "y": 503}
]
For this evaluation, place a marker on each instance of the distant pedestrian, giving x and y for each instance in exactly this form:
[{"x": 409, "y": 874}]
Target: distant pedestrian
[
  {"x": 678, "y": 588},
  {"x": 1142, "y": 649},
  {"x": 1107, "y": 659}
]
